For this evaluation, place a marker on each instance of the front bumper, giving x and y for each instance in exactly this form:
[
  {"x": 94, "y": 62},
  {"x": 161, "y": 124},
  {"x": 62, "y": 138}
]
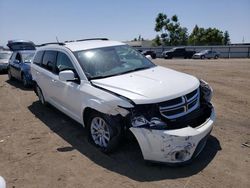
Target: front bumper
[{"x": 173, "y": 146}]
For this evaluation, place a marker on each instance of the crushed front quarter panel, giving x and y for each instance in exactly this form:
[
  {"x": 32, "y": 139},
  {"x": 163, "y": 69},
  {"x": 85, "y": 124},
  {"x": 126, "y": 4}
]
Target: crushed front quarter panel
[{"x": 172, "y": 146}]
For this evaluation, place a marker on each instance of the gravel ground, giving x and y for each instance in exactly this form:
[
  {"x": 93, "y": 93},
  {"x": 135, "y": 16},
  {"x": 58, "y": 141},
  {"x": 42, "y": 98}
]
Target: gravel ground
[{"x": 41, "y": 147}]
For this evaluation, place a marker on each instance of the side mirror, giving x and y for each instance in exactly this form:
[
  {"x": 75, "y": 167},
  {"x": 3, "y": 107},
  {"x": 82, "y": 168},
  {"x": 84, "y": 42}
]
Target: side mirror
[
  {"x": 67, "y": 75},
  {"x": 149, "y": 57}
]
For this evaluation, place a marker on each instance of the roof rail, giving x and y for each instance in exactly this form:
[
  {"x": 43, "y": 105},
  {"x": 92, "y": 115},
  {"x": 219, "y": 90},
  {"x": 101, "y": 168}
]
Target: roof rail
[
  {"x": 86, "y": 40},
  {"x": 59, "y": 43}
]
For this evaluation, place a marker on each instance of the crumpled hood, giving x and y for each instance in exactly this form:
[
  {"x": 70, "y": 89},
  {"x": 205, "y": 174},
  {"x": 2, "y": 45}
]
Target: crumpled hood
[{"x": 152, "y": 85}]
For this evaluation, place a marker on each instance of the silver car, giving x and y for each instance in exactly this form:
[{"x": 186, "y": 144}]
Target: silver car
[
  {"x": 4, "y": 60},
  {"x": 206, "y": 54}
]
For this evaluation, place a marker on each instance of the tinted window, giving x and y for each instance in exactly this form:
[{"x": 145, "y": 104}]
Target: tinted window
[
  {"x": 49, "y": 60},
  {"x": 38, "y": 57},
  {"x": 63, "y": 63},
  {"x": 18, "y": 57}
]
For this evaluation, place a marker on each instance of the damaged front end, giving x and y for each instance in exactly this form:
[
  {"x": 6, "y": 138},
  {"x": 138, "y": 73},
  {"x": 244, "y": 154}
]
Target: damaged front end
[{"x": 174, "y": 131}]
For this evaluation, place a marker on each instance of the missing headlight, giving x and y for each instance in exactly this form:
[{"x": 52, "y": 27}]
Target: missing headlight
[
  {"x": 206, "y": 91},
  {"x": 141, "y": 121}
]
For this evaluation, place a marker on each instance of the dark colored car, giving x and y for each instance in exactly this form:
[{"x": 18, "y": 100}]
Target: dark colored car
[
  {"x": 19, "y": 63},
  {"x": 178, "y": 52},
  {"x": 149, "y": 52}
]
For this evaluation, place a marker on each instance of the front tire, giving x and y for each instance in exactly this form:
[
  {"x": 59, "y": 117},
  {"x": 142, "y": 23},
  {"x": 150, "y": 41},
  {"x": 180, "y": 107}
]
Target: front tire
[
  {"x": 10, "y": 75},
  {"x": 202, "y": 57},
  {"x": 104, "y": 132}
]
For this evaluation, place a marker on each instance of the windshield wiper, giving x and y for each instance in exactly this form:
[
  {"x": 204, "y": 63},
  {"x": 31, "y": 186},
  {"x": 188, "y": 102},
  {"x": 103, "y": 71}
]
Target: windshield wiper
[{"x": 129, "y": 71}]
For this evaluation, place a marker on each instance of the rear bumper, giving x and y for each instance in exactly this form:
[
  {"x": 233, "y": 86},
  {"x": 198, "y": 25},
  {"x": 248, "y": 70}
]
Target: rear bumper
[
  {"x": 173, "y": 146},
  {"x": 3, "y": 66}
]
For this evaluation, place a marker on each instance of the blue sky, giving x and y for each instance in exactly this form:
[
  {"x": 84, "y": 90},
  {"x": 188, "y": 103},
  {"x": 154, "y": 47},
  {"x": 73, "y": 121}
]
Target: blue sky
[{"x": 41, "y": 21}]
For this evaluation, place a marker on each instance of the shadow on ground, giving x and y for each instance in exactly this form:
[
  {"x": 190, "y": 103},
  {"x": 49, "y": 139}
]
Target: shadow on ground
[
  {"x": 128, "y": 160},
  {"x": 18, "y": 84}
]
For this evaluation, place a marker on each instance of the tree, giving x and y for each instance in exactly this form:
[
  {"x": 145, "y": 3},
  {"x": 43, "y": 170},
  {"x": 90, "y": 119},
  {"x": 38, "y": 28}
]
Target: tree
[
  {"x": 202, "y": 36},
  {"x": 226, "y": 38},
  {"x": 157, "y": 41},
  {"x": 171, "y": 31}
]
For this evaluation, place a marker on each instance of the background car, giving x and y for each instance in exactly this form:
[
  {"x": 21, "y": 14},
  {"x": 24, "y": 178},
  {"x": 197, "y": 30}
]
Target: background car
[
  {"x": 4, "y": 60},
  {"x": 149, "y": 52},
  {"x": 206, "y": 54},
  {"x": 178, "y": 52},
  {"x": 19, "y": 63}
]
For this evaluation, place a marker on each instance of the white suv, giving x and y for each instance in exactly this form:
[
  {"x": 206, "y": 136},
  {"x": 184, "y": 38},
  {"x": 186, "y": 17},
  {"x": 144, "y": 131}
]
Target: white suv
[{"x": 110, "y": 88}]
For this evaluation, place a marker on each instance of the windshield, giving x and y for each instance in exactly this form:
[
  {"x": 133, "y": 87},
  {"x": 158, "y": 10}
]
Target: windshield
[
  {"x": 111, "y": 61},
  {"x": 5, "y": 55},
  {"x": 27, "y": 56}
]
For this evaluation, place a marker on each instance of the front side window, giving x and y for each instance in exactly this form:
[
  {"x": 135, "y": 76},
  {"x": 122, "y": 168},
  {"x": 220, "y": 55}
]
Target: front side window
[
  {"x": 63, "y": 63},
  {"x": 111, "y": 61}
]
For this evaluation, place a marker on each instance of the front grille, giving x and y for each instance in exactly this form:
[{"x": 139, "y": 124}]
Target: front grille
[{"x": 180, "y": 106}]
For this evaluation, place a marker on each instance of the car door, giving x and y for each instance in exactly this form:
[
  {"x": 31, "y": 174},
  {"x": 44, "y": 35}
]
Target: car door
[
  {"x": 66, "y": 95},
  {"x": 46, "y": 74},
  {"x": 209, "y": 54},
  {"x": 15, "y": 65}
]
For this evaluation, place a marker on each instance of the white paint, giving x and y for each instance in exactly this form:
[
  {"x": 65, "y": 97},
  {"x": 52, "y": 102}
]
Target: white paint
[
  {"x": 2, "y": 182},
  {"x": 152, "y": 85},
  {"x": 161, "y": 145}
]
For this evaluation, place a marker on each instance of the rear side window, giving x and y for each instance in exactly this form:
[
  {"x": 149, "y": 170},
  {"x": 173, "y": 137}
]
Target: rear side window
[
  {"x": 63, "y": 63},
  {"x": 49, "y": 60},
  {"x": 38, "y": 58}
]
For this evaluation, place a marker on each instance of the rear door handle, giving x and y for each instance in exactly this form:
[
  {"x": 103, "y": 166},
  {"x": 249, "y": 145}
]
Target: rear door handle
[{"x": 53, "y": 80}]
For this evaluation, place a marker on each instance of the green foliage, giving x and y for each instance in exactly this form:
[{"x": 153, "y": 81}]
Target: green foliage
[
  {"x": 157, "y": 41},
  {"x": 209, "y": 36},
  {"x": 172, "y": 34},
  {"x": 226, "y": 39}
]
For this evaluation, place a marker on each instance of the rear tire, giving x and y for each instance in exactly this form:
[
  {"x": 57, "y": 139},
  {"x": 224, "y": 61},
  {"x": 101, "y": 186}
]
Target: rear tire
[
  {"x": 202, "y": 57},
  {"x": 216, "y": 57},
  {"x": 25, "y": 81},
  {"x": 104, "y": 132},
  {"x": 40, "y": 96}
]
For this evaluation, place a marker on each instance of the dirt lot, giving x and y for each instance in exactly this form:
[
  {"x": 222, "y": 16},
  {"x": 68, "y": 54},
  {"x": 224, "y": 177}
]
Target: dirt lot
[{"x": 41, "y": 147}]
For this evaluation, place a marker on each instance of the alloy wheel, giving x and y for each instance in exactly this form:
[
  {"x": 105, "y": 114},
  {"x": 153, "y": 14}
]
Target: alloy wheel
[{"x": 100, "y": 132}]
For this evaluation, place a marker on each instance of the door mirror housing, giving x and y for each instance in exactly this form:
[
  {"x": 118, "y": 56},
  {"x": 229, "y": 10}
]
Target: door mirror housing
[
  {"x": 67, "y": 75},
  {"x": 149, "y": 57}
]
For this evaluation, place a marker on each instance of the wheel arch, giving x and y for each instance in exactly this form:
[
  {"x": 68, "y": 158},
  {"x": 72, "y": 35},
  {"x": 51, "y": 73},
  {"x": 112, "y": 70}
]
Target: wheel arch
[{"x": 86, "y": 114}]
